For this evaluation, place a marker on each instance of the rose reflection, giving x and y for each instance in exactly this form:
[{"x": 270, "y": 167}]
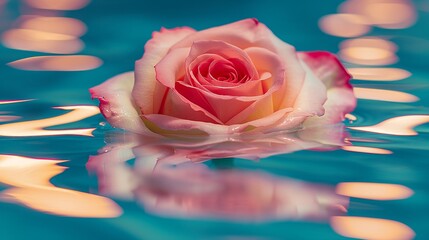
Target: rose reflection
[
  {"x": 232, "y": 194},
  {"x": 167, "y": 179}
]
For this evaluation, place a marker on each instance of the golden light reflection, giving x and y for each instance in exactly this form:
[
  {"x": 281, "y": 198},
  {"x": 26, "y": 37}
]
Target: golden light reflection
[
  {"x": 65, "y": 202},
  {"x": 344, "y": 25},
  {"x": 14, "y": 101},
  {"x": 36, "y": 127},
  {"x": 384, "y": 95},
  {"x": 371, "y": 228},
  {"x": 401, "y": 126},
  {"x": 368, "y": 51},
  {"x": 20, "y": 34},
  {"x": 350, "y": 117},
  {"x": 375, "y": 191},
  {"x": 368, "y": 56},
  {"x": 30, "y": 182},
  {"x": 58, "y": 25},
  {"x": 379, "y": 74},
  {"x": 58, "y": 63},
  {"x": 370, "y": 42},
  {"x": 371, "y": 150},
  {"x": 386, "y": 14},
  {"x": 21, "y": 171},
  {"x": 58, "y": 4},
  {"x": 369, "y": 140},
  {"x": 41, "y": 41}
]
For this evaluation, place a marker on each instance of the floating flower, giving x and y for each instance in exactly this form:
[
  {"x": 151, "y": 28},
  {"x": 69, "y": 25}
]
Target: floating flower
[{"x": 233, "y": 79}]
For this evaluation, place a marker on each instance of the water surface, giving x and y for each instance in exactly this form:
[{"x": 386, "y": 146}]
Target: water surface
[{"x": 66, "y": 174}]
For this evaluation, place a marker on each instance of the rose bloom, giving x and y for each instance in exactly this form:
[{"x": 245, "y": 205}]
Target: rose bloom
[{"x": 233, "y": 79}]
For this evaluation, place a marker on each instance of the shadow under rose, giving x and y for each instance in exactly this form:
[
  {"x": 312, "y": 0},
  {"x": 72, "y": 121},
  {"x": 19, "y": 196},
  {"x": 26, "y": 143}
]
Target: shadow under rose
[{"x": 168, "y": 179}]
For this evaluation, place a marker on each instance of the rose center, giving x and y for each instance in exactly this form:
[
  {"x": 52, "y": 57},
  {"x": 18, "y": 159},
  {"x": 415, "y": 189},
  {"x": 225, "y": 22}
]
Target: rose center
[
  {"x": 226, "y": 70},
  {"x": 222, "y": 71}
]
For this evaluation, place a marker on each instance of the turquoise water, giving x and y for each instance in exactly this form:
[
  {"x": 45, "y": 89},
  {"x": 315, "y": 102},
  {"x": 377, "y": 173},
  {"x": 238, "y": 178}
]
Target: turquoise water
[{"x": 376, "y": 189}]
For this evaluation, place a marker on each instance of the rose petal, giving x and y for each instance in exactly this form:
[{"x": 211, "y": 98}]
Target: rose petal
[
  {"x": 278, "y": 121},
  {"x": 295, "y": 75},
  {"x": 213, "y": 102},
  {"x": 264, "y": 105},
  {"x": 312, "y": 95},
  {"x": 340, "y": 102},
  {"x": 327, "y": 68},
  {"x": 242, "y": 34},
  {"x": 116, "y": 104},
  {"x": 179, "y": 106},
  {"x": 172, "y": 67},
  {"x": 341, "y": 99},
  {"x": 250, "y": 88},
  {"x": 155, "y": 49}
]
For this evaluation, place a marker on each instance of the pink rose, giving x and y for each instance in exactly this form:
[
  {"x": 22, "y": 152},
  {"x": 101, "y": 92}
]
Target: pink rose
[{"x": 224, "y": 80}]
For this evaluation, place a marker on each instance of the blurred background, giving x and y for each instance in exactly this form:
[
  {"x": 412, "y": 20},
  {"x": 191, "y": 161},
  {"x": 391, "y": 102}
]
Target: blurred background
[{"x": 53, "y": 51}]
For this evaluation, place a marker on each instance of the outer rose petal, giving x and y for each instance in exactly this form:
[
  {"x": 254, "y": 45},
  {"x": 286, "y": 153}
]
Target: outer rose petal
[
  {"x": 327, "y": 68},
  {"x": 331, "y": 72},
  {"x": 155, "y": 49},
  {"x": 278, "y": 121},
  {"x": 243, "y": 34},
  {"x": 312, "y": 95},
  {"x": 116, "y": 104}
]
